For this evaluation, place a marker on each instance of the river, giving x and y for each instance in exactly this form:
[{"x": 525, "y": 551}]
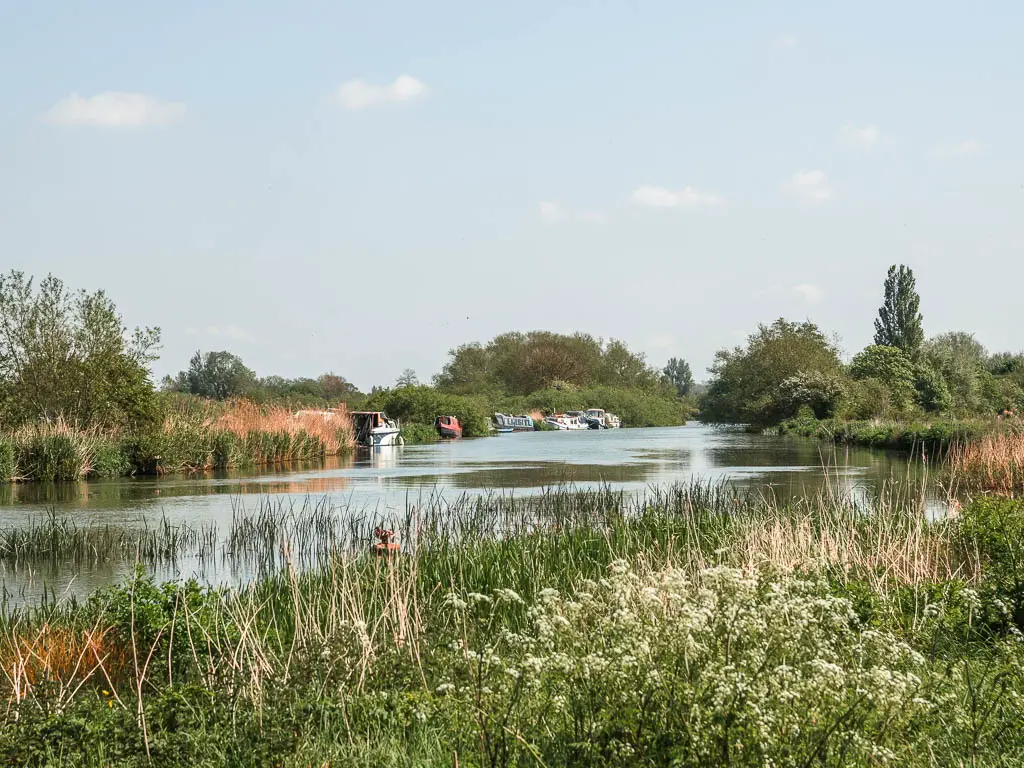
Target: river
[{"x": 382, "y": 483}]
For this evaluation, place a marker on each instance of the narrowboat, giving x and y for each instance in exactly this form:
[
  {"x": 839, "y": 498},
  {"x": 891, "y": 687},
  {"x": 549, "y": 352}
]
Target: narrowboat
[
  {"x": 448, "y": 426},
  {"x": 506, "y": 423}
]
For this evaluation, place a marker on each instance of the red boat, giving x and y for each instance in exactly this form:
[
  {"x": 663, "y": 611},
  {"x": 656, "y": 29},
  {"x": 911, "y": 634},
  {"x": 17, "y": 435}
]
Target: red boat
[{"x": 448, "y": 426}]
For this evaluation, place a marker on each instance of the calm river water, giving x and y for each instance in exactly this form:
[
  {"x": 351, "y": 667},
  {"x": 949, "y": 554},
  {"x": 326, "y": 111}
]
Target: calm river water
[{"x": 385, "y": 481}]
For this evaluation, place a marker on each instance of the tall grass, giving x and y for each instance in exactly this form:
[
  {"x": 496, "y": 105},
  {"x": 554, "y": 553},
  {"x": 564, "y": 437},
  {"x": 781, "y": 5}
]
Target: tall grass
[
  {"x": 522, "y": 631},
  {"x": 992, "y": 464},
  {"x": 193, "y": 437}
]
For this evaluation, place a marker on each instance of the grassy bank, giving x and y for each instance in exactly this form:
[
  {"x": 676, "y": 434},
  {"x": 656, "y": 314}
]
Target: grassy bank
[
  {"x": 933, "y": 435},
  {"x": 692, "y": 627},
  {"x": 194, "y": 436}
]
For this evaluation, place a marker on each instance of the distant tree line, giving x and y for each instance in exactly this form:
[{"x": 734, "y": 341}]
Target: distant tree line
[
  {"x": 788, "y": 368},
  {"x": 221, "y": 375},
  {"x": 520, "y": 363}
]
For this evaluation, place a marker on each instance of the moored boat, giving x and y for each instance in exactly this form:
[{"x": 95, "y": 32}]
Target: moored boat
[
  {"x": 448, "y": 426},
  {"x": 565, "y": 421},
  {"x": 506, "y": 423},
  {"x": 374, "y": 429},
  {"x": 596, "y": 418}
]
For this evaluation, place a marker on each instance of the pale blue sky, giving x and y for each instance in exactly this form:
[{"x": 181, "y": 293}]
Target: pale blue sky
[{"x": 666, "y": 173}]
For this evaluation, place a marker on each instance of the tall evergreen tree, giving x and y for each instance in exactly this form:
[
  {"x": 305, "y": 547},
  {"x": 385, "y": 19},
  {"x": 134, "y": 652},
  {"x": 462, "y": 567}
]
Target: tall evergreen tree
[{"x": 899, "y": 318}]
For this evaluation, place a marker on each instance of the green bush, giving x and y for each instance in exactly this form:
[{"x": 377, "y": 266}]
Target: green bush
[
  {"x": 110, "y": 459},
  {"x": 415, "y": 433},
  {"x": 993, "y": 529}
]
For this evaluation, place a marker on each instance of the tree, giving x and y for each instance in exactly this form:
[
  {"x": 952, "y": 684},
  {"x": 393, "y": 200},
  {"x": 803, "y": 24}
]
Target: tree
[
  {"x": 899, "y": 319},
  {"x": 961, "y": 360},
  {"x": 216, "y": 375},
  {"x": 892, "y": 367},
  {"x": 678, "y": 373},
  {"x": 407, "y": 379},
  {"x": 748, "y": 384},
  {"x": 521, "y": 363},
  {"x": 67, "y": 354}
]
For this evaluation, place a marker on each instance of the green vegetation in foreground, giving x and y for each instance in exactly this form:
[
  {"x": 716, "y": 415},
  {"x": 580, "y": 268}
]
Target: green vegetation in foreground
[
  {"x": 692, "y": 628},
  {"x": 901, "y": 391}
]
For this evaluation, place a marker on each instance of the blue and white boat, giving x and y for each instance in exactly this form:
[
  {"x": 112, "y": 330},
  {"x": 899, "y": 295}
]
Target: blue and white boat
[{"x": 506, "y": 423}]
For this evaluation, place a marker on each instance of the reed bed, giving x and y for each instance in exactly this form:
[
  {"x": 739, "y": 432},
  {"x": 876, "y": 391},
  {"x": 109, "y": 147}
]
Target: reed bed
[
  {"x": 194, "y": 437},
  {"x": 992, "y": 464}
]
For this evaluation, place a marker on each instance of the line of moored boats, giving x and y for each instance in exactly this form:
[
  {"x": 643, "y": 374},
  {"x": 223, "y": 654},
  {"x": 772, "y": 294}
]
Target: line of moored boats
[
  {"x": 592, "y": 418},
  {"x": 374, "y": 429}
]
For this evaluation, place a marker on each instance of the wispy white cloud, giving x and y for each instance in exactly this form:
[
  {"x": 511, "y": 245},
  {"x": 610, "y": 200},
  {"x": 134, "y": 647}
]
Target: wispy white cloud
[
  {"x": 866, "y": 138},
  {"x": 114, "y": 109},
  {"x": 356, "y": 94},
  {"x": 687, "y": 197},
  {"x": 232, "y": 332},
  {"x": 809, "y": 186},
  {"x": 553, "y": 212},
  {"x": 963, "y": 148},
  {"x": 809, "y": 292}
]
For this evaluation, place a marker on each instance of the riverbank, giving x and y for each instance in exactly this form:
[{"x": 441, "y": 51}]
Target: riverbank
[
  {"x": 692, "y": 626},
  {"x": 193, "y": 437},
  {"x": 934, "y": 436}
]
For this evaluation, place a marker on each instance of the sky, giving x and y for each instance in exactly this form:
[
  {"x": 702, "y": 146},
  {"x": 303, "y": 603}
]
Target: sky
[{"x": 360, "y": 187}]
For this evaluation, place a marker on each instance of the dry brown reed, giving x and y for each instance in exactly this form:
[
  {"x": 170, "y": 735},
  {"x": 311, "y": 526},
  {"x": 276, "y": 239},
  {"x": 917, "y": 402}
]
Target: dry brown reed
[
  {"x": 992, "y": 464},
  {"x": 333, "y": 427}
]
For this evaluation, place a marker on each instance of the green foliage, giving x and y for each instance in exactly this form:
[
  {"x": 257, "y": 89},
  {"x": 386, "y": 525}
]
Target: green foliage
[
  {"x": 415, "y": 433},
  {"x": 67, "y": 355},
  {"x": 889, "y": 365},
  {"x": 784, "y": 365},
  {"x": 422, "y": 404},
  {"x": 932, "y": 391},
  {"x": 678, "y": 373},
  {"x": 960, "y": 360},
  {"x": 899, "y": 319},
  {"x": 934, "y": 437},
  {"x": 521, "y": 363},
  {"x": 994, "y": 529},
  {"x": 215, "y": 375}
]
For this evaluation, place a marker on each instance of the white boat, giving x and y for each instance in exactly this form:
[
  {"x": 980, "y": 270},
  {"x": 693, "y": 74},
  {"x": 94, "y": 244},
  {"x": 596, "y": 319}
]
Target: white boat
[
  {"x": 596, "y": 418},
  {"x": 565, "y": 421},
  {"x": 506, "y": 423},
  {"x": 374, "y": 429},
  {"x": 613, "y": 421}
]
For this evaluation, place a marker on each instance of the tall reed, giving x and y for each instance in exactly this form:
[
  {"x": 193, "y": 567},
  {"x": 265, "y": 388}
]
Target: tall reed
[{"x": 993, "y": 464}]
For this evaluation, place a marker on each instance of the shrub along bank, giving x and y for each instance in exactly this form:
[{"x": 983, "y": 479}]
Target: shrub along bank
[{"x": 934, "y": 436}]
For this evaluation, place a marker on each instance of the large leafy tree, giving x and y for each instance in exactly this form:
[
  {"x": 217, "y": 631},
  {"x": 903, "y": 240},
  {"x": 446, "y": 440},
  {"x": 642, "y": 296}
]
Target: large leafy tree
[
  {"x": 899, "y": 318},
  {"x": 677, "y": 372},
  {"x": 216, "y": 375},
  {"x": 961, "y": 361},
  {"x": 770, "y": 378},
  {"x": 520, "y": 363},
  {"x": 66, "y": 354}
]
